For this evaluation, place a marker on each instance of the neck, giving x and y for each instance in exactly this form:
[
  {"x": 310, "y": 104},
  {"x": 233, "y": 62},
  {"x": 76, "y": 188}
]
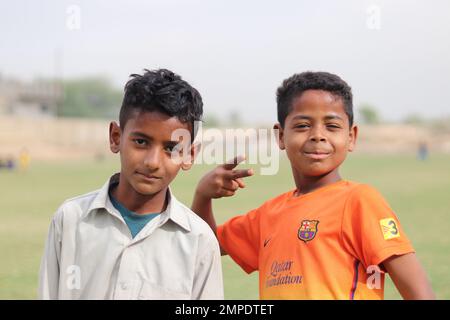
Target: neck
[
  {"x": 306, "y": 184},
  {"x": 140, "y": 203}
]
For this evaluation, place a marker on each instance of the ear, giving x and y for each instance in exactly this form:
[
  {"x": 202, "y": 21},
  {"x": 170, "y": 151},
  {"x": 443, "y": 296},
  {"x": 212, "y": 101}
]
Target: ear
[
  {"x": 193, "y": 152},
  {"x": 353, "y": 134},
  {"x": 114, "y": 137},
  {"x": 279, "y": 131}
]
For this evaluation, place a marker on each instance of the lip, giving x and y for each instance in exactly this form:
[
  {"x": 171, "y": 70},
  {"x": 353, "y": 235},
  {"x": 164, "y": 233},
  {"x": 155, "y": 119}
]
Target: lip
[
  {"x": 149, "y": 177},
  {"x": 317, "y": 155}
]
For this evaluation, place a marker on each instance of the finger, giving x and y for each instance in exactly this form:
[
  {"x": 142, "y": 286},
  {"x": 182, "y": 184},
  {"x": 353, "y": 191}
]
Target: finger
[
  {"x": 239, "y": 173},
  {"x": 227, "y": 193},
  {"x": 231, "y": 164},
  {"x": 240, "y": 182},
  {"x": 231, "y": 185}
]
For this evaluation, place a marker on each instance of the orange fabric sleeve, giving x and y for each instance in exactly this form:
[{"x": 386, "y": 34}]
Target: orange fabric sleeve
[
  {"x": 240, "y": 237},
  {"x": 370, "y": 229}
]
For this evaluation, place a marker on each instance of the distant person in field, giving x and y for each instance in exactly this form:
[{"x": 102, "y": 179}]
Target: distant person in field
[
  {"x": 24, "y": 160},
  {"x": 328, "y": 238},
  {"x": 132, "y": 239},
  {"x": 10, "y": 163},
  {"x": 422, "y": 152}
]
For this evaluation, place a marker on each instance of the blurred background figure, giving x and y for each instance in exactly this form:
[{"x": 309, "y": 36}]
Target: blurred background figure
[
  {"x": 422, "y": 152},
  {"x": 24, "y": 160},
  {"x": 10, "y": 163}
]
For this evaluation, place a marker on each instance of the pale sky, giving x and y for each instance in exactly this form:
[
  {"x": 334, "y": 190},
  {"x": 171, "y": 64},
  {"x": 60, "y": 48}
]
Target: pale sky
[{"x": 236, "y": 53}]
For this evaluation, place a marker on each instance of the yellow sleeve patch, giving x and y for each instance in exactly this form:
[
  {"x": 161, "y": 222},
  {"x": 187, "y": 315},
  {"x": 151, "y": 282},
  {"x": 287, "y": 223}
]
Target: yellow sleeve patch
[{"x": 389, "y": 229}]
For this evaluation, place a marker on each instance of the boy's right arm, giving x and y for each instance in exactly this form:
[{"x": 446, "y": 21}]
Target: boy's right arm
[
  {"x": 49, "y": 269},
  {"x": 223, "y": 181}
]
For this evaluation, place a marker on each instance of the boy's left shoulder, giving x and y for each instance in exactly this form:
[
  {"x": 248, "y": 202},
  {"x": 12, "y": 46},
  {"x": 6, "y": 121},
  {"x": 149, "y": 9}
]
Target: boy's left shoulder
[
  {"x": 364, "y": 190},
  {"x": 196, "y": 225},
  {"x": 363, "y": 197}
]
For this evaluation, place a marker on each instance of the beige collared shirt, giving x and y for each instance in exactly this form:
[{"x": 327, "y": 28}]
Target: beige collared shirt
[{"x": 90, "y": 254}]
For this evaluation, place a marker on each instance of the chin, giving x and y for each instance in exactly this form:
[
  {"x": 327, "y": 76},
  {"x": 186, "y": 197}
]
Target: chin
[
  {"x": 316, "y": 172},
  {"x": 147, "y": 190}
]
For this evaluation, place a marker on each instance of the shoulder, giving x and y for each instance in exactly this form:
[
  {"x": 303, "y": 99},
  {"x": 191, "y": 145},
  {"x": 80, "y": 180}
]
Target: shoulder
[
  {"x": 271, "y": 206},
  {"x": 366, "y": 202},
  {"x": 74, "y": 208},
  {"x": 275, "y": 202},
  {"x": 362, "y": 192},
  {"x": 197, "y": 226}
]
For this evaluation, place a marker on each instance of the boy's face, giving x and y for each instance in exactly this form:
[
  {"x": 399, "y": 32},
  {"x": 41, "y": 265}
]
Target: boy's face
[
  {"x": 316, "y": 134},
  {"x": 146, "y": 145}
]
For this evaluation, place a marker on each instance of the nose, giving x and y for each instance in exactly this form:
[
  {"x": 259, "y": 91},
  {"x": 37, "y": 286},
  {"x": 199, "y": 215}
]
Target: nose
[
  {"x": 153, "y": 158},
  {"x": 317, "y": 135}
]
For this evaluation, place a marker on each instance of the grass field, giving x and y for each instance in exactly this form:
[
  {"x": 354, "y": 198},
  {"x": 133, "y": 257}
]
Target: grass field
[{"x": 419, "y": 192}]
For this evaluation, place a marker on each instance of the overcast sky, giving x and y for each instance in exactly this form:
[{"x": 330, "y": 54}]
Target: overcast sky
[{"x": 236, "y": 53}]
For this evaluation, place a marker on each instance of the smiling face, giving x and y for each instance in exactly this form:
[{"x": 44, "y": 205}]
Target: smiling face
[
  {"x": 317, "y": 135},
  {"x": 147, "y": 152}
]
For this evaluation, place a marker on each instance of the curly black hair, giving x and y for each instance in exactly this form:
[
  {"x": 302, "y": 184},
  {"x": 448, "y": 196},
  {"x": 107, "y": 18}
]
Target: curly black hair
[
  {"x": 295, "y": 85},
  {"x": 164, "y": 91}
]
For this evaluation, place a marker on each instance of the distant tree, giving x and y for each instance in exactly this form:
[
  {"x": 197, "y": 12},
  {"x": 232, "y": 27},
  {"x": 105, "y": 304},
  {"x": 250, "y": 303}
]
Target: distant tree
[
  {"x": 368, "y": 114},
  {"x": 90, "y": 98},
  {"x": 414, "y": 119},
  {"x": 441, "y": 125}
]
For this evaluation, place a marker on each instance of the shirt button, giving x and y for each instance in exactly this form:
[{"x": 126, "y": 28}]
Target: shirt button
[{"x": 124, "y": 286}]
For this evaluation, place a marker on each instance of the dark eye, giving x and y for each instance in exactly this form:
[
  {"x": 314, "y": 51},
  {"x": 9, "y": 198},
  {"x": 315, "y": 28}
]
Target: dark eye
[
  {"x": 140, "y": 142},
  {"x": 302, "y": 126},
  {"x": 333, "y": 126},
  {"x": 170, "y": 147}
]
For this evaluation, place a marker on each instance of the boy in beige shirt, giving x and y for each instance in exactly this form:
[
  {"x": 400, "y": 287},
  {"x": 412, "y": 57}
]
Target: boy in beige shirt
[{"x": 132, "y": 239}]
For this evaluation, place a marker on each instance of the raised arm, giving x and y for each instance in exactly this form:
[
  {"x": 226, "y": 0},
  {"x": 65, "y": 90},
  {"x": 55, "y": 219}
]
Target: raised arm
[{"x": 223, "y": 181}]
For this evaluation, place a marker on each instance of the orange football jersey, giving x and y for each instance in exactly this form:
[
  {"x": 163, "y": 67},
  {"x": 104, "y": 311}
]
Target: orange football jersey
[{"x": 326, "y": 244}]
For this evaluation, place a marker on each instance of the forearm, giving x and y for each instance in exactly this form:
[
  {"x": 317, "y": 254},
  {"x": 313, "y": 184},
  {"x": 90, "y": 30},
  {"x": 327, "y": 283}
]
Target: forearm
[{"x": 202, "y": 206}]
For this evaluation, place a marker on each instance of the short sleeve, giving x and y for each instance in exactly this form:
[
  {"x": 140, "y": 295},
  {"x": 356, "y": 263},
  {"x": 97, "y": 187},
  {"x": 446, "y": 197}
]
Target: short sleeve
[
  {"x": 49, "y": 272},
  {"x": 370, "y": 229},
  {"x": 208, "y": 280},
  {"x": 240, "y": 237}
]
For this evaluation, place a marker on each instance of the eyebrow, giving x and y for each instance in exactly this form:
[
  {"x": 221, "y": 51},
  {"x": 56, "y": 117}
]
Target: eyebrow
[
  {"x": 143, "y": 135},
  {"x": 140, "y": 134},
  {"x": 333, "y": 116},
  {"x": 328, "y": 117}
]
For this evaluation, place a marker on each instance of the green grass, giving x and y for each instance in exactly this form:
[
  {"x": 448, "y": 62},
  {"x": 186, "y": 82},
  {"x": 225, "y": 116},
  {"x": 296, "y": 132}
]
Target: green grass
[{"x": 417, "y": 191}]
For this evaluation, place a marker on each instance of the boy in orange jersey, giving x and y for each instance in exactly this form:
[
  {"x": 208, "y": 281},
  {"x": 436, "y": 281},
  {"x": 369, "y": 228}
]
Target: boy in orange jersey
[{"x": 328, "y": 238}]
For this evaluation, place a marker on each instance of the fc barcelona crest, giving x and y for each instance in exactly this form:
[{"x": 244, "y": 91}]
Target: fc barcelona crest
[{"x": 308, "y": 230}]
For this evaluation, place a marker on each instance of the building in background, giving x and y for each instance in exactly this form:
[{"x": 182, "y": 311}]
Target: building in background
[{"x": 38, "y": 98}]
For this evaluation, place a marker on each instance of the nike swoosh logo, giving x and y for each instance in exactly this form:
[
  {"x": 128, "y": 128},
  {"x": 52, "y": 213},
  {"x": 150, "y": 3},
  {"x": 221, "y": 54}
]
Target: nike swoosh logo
[{"x": 266, "y": 241}]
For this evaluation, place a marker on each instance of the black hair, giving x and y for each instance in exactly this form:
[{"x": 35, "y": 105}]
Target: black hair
[
  {"x": 298, "y": 83},
  {"x": 164, "y": 91}
]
